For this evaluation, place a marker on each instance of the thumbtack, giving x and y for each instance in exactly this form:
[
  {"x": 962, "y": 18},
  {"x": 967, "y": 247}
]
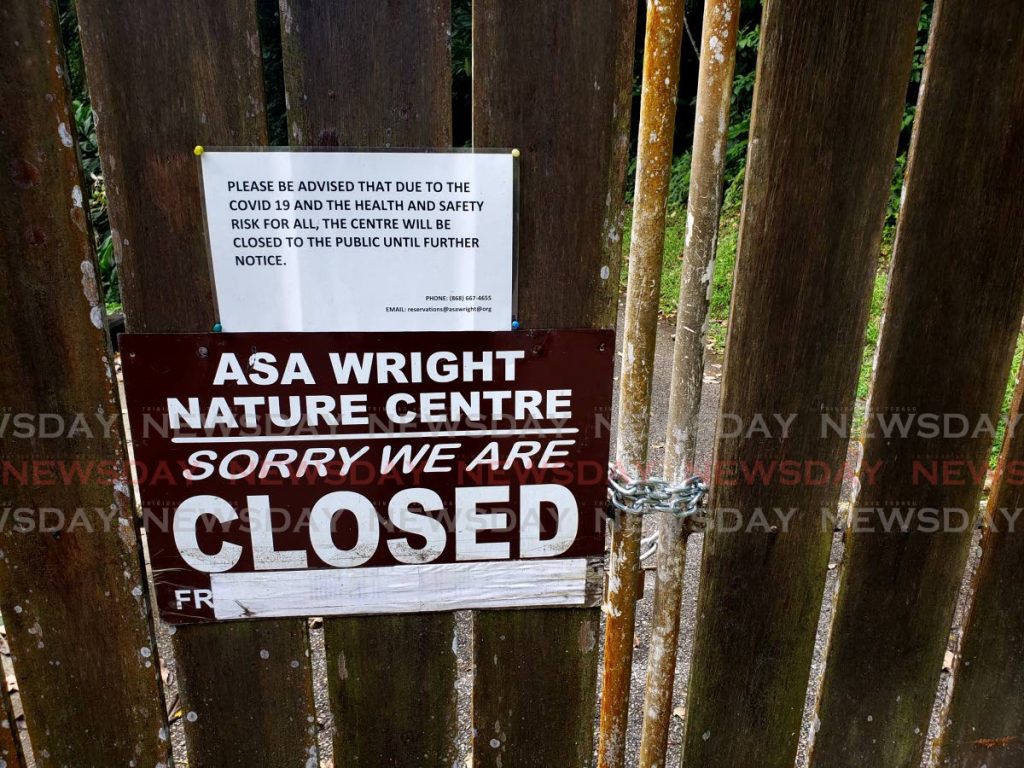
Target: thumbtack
[
  {"x": 515, "y": 153},
  {"x": 515, "y": 325},
  {"x": 217, "y": 327},
  {"x": 198, "y": 150}
]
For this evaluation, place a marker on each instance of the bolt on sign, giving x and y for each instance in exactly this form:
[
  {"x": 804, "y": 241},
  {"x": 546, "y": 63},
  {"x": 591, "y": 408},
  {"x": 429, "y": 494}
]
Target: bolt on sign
[
  {"x": 361, "y": 240},
  {"x": 294, "y": 474}
]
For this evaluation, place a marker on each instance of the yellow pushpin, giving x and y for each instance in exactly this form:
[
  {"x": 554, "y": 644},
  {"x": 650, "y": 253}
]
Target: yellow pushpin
[
  {"x": 198, "y": 150},
  {"x": 515, "y": 153}
]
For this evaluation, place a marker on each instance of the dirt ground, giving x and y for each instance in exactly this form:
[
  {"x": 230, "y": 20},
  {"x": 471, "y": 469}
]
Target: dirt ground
[{"x": 659, "y": 417}]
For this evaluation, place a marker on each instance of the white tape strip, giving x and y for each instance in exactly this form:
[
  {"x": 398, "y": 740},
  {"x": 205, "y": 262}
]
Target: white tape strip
[{"x": 401, "y": 589}]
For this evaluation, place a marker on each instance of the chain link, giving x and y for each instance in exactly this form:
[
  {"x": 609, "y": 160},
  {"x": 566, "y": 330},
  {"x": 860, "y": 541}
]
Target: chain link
[{"x": 654, "y": 494}]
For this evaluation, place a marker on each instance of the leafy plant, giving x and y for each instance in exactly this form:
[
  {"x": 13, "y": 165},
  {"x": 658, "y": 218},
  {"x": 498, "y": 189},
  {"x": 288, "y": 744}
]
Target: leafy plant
[
  {"x": 462, "y": 72},
  {"x": 89, "y": 156},
  {"x": 1015, "y": 371},
  {"x": 88, "y": 152},
  {"x": 268, "y": 20}
]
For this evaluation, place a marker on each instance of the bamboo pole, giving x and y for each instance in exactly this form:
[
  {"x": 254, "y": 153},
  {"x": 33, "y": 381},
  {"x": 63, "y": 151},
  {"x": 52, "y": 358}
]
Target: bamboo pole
[
  {"x": 664, "y": 30},
  {"x": 710, "y": 135}
]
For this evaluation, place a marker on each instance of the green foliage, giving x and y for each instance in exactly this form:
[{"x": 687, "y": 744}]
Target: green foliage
[
  {"x": 671, "y": 275},
  {"x": 892, "y": 209},
  {"x": 462, "y": 47},
  {"x": 72, "y": 44},
  {"x": 462, "y": 72},
  {"x": 88, "y": 152},
  {"x": 269, "y": 23},
  {"x": 721, "y": 281},
  {"x": 906, "y": 127},
  {"x": 742, "y": 97},
  {"x": 878, "y": 292},
  {"x": 924, "y": 23},
  {"x": 721, "y": 295},
  {"x": 1015, "y": 371},
  {"x": 679, "y": 182}
]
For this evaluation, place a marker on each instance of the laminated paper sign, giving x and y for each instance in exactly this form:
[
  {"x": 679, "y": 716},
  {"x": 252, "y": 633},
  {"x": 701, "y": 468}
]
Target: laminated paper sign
[
  {"x": 294, "y": 474},
  {"x": 361, "y": 241}
]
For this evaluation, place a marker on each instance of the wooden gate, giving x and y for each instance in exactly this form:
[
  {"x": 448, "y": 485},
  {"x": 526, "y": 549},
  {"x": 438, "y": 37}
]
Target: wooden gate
[{"x": 554, "y": 80}]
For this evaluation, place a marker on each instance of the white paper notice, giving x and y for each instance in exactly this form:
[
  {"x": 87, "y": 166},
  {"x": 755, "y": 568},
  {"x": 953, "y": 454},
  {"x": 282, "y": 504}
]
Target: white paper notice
[{"x": 361, "y": 241}]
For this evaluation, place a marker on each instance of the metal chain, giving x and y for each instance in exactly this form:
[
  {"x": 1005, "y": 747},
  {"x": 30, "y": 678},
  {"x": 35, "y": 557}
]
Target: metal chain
[{"x": 654, "y": 495}]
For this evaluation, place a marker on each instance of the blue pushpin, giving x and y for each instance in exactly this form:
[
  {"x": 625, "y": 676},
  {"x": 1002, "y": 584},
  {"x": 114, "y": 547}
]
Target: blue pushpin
[
  {"x": 515, "y": 325},
  {"x": 217, "y": 327}
]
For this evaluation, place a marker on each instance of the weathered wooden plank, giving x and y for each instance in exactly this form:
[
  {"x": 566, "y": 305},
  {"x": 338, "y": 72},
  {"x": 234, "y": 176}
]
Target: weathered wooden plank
[
  {"x": 392, "y": 690},
  {"x": 553, "y": 80},
  {"x": 379, "y": 75},
  {"x": 985, "y": 721},
  {"x": 246, "y": 691},
  {"x": 955, "y": 302},
  {"x": 72, "y": 595},
  {"x": 165, "y": 76},
  {"x": 368, "y": 74},
  {"x": 550, "y": 79},
  {"x": 188, "y": 74},
  {"x": 823, "y": 141}
]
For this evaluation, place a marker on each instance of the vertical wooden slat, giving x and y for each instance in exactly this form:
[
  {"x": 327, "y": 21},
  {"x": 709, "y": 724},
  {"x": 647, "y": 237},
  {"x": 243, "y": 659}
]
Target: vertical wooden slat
[
  {"x": 368, "y": 74},
  {"x": 954, "y": 310},
  {"x": 374, "y": 75},
  {"x": 822, "y": 145},
  {"x": 985, "y": 722},
  {"x": 165, "y": 76},
  {"x": 392, "y": 688},
  {"x": 553, "y": 80},
  {"x": 73, "y": 598}
]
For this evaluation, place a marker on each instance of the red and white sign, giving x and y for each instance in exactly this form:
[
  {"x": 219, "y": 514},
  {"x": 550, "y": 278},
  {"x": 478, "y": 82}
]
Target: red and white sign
[{"x": 293, "y": 474}]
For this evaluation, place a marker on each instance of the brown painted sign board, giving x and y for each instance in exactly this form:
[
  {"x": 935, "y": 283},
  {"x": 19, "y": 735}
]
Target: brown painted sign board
[{"x": 298, "y": 474}]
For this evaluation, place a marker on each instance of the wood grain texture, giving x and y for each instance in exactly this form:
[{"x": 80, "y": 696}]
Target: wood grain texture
[
  {"x": 985, "y": 720},
  {"x": 392, "y": 690},
  {"x": 955, "y": 302},
  {"x": 72, "y": 598},
  {"x": 553, "y": 80},
  {"x": 164, "y": 77},
  {"x": 379, "y": 75},
  {"x": 246, "y": 691},
  {"x": 822, "y": 147},
  {"x": 368, "y": 74}
]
